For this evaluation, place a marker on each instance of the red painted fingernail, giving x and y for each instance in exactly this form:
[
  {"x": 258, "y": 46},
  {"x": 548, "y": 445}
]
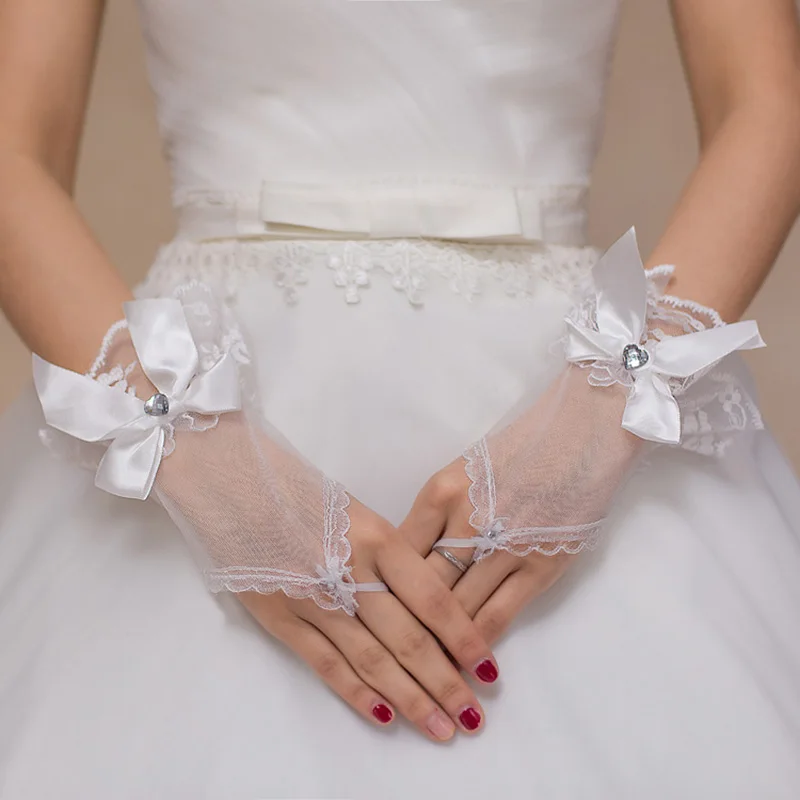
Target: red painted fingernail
[
  {"x": 486, "y": 671},
  {"x": 382, "y": 713},
  {"x": 470, "y": 718}
]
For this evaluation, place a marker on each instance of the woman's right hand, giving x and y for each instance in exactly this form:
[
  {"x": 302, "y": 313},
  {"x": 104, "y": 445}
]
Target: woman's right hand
[{"x": 387, "y": 657}]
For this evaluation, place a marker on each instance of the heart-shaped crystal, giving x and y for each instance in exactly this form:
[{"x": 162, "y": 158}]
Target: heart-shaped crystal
[
  {"x": 157, "y": 405},
  {"x": 634, "y": 356}
]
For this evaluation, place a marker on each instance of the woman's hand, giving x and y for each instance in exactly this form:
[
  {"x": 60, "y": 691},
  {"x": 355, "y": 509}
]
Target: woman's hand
[
  {"x": 388, "y": 657},
  {"x": 494, "y": 590},
  {"x": 249, "y": 502},
  {"x": 540, "y": 488},
  {"x": 301, "y": 554}
]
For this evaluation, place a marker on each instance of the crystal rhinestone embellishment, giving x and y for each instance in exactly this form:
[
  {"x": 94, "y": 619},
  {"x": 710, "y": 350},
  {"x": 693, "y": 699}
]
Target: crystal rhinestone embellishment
[
  {"x": 634, "y": 357},
  {"x": 157, "y": 405}
]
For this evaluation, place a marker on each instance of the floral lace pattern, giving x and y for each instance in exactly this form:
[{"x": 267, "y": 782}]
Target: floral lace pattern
[{"x": 352, "y": 266}]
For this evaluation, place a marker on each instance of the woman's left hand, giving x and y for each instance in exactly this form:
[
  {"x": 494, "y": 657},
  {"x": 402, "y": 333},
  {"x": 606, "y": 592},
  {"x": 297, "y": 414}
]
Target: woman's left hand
[
  {"x": 528, "y": 499},
  {"x": 494, "y": 590}
]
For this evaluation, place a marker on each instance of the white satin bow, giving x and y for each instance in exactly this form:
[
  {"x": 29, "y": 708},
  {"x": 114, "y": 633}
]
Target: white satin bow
[
  {"x": 90, "y": 411},
  {"x": 651, "y": 411}
]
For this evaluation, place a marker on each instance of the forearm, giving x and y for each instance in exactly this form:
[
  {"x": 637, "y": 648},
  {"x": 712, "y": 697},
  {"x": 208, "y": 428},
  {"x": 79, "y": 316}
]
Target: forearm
[
  {"x": 738, "y": 206},
  {"x": 57, "y": 286}
]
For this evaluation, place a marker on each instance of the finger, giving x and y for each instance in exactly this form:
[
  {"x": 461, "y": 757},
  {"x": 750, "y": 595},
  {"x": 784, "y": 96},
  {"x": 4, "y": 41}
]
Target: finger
[
  {"x": 329, "y": 663},
  {"x": 500, "y": 609},
  {"x": 481, "y": 579},
  {"x": 450, "y": 563},
  {"x": 445, "y": 560},
  {"x": 425, "y": 522},
  {"x": 415, "y": 648},
  {"x": 375, "y": 665},
  {"x": 422, "y": 592}
]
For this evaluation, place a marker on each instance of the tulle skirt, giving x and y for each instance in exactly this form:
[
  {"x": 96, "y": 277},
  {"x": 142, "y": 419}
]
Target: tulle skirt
[{"x": 665, "y": 665}]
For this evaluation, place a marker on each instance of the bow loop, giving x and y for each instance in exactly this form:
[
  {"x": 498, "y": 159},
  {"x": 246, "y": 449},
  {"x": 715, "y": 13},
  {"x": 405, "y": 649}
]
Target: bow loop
[
  {"x": 137, "y": 429},
  {"x": 621, "y": 284},
  {"x": 163, "y": 343}
]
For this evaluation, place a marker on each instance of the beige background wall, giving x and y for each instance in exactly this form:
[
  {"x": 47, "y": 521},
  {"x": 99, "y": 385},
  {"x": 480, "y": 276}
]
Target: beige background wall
[{"x": 647, "y": 152}]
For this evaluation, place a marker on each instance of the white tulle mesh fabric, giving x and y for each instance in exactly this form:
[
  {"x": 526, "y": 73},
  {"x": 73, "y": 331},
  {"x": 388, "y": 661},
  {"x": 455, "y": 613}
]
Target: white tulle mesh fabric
[
  {"x": 256, "y": 514},
  {"x": 545, "y": 482}
]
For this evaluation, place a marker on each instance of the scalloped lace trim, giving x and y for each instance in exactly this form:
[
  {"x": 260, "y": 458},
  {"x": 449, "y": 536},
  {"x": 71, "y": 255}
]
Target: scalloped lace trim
[
  {"x": 332, "y": 589},
  {"x": 492, "y": 531},
  {"x": 410, "y": 266}
]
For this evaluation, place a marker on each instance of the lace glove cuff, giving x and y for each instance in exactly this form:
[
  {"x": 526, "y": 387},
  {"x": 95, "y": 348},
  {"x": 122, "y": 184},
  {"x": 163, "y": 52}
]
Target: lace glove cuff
[
  {"x": 655, "y": 345},
  {"x": 168, "y": 409},
  {"x": 639, "y": 367}
]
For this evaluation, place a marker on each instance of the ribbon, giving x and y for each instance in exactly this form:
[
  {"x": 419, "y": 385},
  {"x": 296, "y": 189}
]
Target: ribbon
[
  {"x": 81, "y": 407},
  {"x": 651, "y": 411},
  {"x": 429, "y": 209}
]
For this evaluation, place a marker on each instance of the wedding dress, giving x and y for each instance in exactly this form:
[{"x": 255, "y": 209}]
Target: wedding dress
[{"x": 391, "y": 196}]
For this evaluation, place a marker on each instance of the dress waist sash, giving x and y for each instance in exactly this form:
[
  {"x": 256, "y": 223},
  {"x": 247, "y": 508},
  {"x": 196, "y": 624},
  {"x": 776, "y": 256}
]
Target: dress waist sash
[{"x": 433, "y": 209}]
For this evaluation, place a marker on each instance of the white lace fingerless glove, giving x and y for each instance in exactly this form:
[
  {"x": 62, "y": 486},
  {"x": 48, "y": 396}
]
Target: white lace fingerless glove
[
  {"x": 638, "y": 368},
  {"x": 170, "y": 408}
]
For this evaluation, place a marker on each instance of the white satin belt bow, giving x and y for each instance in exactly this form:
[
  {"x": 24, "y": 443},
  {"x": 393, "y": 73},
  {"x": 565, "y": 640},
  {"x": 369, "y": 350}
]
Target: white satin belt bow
[
  {"x": 93, "y": 412},
  {"x": 651, "y": 411},
  {"x": 430, "y": 208}
]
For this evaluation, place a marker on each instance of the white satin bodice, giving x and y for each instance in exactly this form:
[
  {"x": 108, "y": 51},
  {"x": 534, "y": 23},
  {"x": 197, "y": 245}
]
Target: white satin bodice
[{"x": 487, "y": 93}]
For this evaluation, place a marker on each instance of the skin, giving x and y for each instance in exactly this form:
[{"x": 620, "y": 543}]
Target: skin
[
  {"x": 742, "y": 60},
  {"x": 61, "y": 293}
]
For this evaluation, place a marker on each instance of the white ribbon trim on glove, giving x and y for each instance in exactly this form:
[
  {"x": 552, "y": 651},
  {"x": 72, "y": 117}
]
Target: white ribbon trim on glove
[
  {"x": 90, "y": 411},
  {"x": 651, "y": 411}
]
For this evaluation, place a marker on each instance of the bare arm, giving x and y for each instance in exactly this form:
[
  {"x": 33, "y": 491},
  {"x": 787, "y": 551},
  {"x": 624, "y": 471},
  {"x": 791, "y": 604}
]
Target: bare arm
[
  {"x": 57, "y": 286},
  {"x": 743, "y": 64}
]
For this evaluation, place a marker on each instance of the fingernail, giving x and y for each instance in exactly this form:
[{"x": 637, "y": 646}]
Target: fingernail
[
  {"x": 382, "y": 713},
  {"x": 486, "y": 671},
  {"x": 470, "y": 718},
  {"x": 440, "y": 726}
]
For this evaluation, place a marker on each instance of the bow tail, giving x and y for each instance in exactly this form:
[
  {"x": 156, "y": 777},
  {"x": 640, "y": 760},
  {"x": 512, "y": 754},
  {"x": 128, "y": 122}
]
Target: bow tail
[
  {"x": 584, "y": 344},
  {"x": 682, "y": 356},
  {"x": 651, "y": 411},
  {"x": 130, "y": 463},
  {"x": 79, "y": 406}
]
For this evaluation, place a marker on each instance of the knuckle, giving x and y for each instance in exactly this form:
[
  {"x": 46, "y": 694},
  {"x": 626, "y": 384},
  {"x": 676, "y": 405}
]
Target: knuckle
[
  {"x": 371, "y": 536},
  {"x": 358, "y": 695},
  {"x": 452, "y": 690},
  {"x": 414, "y": 645},
  {"x": 327, "y": 666},
  {"x": 468, "y": 643},
  {"x": 372, "y": 660},
  {"x": 438, "y": 603},
  {"x": 493, "y": 624},
  {"x": 446, "y": 486},
  {"x": 417, "y": 708}
]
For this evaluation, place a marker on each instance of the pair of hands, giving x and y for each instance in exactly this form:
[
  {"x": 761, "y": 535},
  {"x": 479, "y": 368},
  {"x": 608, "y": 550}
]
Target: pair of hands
[
  {"x": 559, "y": 463},
  {"x": 393, "y": 656}
]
